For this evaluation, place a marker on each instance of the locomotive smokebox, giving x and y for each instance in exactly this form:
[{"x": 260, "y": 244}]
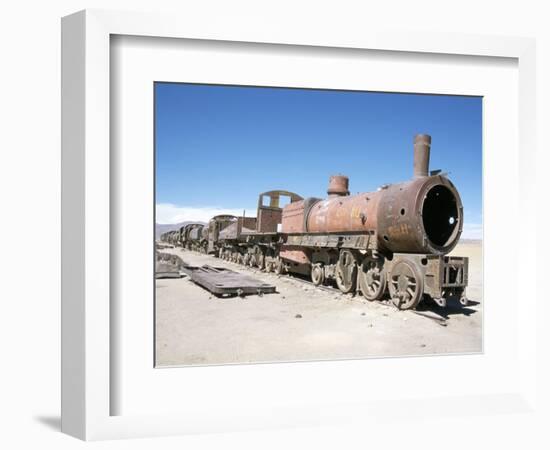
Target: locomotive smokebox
[
  {"x": 338, "y": 185},
  {"x": 422, "y": 143}
]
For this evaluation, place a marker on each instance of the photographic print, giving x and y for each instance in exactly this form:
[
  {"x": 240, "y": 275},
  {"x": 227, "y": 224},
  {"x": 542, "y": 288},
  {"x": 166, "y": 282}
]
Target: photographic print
[{"x": 308, "y": 224}]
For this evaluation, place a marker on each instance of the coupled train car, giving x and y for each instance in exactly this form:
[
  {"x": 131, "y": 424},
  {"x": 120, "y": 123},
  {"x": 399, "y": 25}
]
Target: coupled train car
[{"x": 392, "y": 242}]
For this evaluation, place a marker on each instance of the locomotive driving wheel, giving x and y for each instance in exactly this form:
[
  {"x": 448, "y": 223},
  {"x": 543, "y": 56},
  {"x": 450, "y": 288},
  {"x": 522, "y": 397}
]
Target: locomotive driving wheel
[
  {"x": 372, "y": 278},
  {"x": 406, "y": 285},
  {"x": 317, "y": 274},
  {"x": 279, "y": 266},
  {"x": 260, "y": 260},
  {"x": 269, "y": 260},
  {"x": 346, "y": 272}
]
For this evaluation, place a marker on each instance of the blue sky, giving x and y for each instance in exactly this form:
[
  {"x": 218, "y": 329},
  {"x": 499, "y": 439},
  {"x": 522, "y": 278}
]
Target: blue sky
[{"x": 218, "y": 147}]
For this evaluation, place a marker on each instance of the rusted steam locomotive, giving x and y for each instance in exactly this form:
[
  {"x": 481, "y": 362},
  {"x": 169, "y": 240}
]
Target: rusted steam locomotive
[
  {"x": 170, "y": 237},
  {"x": 395, "y": 239},
  {"x": 193, "y": 236}
]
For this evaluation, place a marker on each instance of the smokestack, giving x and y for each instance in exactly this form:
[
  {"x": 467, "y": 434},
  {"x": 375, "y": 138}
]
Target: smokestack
[
  {"x": 422, "y": 143},
  {"x": 338, "y": 185}
]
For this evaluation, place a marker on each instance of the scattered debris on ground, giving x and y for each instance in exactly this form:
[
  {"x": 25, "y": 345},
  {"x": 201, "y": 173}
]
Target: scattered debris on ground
[
  {"x": 222, "y": 281},
  {"x": 168, "y": 265}
]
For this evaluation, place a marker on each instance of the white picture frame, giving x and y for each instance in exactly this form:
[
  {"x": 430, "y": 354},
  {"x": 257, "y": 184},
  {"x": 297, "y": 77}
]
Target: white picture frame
[{"x": 87, "y": 328}]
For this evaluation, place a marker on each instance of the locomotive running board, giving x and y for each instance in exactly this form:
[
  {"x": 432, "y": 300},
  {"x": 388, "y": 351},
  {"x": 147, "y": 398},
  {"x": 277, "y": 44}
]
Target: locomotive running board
[{"x": 221, "y": 281}]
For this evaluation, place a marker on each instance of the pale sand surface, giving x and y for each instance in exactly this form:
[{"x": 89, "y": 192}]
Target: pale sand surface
[{"x": 195, "y": 327}]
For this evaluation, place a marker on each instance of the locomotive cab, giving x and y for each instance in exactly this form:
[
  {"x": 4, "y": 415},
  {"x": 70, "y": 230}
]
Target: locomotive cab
[{"x": 270, "y": 209}]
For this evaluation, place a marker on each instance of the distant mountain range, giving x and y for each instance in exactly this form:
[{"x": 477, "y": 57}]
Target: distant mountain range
[
  {"x": 161, "y": 228},
  {"x": 471, "y": 241}
]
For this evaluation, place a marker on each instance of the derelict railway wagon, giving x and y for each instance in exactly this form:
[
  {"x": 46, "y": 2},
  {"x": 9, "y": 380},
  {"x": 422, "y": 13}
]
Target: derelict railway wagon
[
  {"x": 193, "y": 237},
  {"x": 215, "y": 226},
  {"x": 255, "y": 241},
  {"x": 170, "y": 237}
]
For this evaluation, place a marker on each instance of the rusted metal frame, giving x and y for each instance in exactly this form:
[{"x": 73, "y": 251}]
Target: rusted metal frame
[
  {"x": 222, "y": 281},
  {"x": 359, "y": 241},
  {"x": 433, "y": 272},
  {"x": 309, "y": 203},
  {"x": 269, "y": 217}
]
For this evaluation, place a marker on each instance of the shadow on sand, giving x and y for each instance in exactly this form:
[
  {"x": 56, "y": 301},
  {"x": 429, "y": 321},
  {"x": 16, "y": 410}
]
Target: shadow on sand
[
  {"x": 51, "y": 422},
  {"x": 452, "y": 308}
]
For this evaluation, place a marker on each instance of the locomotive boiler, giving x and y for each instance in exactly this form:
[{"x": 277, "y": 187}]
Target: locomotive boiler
[
  {"x": 193, "y": 236},
  {"x": 397, "y": 237}
]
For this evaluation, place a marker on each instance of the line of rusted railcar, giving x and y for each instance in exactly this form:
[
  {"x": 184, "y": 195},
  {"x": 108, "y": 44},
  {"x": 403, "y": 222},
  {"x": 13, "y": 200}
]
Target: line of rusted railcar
[{"x": 392, "y": 242}]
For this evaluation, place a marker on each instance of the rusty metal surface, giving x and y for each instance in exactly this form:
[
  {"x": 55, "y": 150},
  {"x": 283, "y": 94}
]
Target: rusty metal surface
[
  {"x": 268, "y": 220},
  {"x": 269, "y": 214},
  {"x": 357, "y": 241},
  {"x": 184, "y": 233},
  {"x": 338, "y": 185},
  {"x": 294, "y": 217},
  {"x": 195, "y": 232},
  {"x": 421, "y": 165},
  {"x": 421, "y": 216},
  {"x": 215, "y": 226},
  {"x": 234, "y": 231},
  {"x": 296, "y": 254},
  {"x": 443, "y": 276},
  {"x": 222, "y": 281},
  {"x": 355, "y": 213},
  {"x": 424, "y": 215}
]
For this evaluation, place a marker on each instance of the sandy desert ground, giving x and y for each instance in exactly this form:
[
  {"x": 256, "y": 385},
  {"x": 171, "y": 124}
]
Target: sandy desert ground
[{"x": 301, "y": 322}]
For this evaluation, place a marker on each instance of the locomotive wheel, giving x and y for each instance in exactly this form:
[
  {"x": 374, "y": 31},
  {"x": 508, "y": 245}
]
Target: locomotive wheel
[
  {"x": 346, "y": 272},
  {"x": 406, "y": 285},
  {"x": 372, "y": 279},
  {"x": 317, "y": 274},
  {"x": 279, "y": 266},
  {"x": 260, "y": 260}
]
